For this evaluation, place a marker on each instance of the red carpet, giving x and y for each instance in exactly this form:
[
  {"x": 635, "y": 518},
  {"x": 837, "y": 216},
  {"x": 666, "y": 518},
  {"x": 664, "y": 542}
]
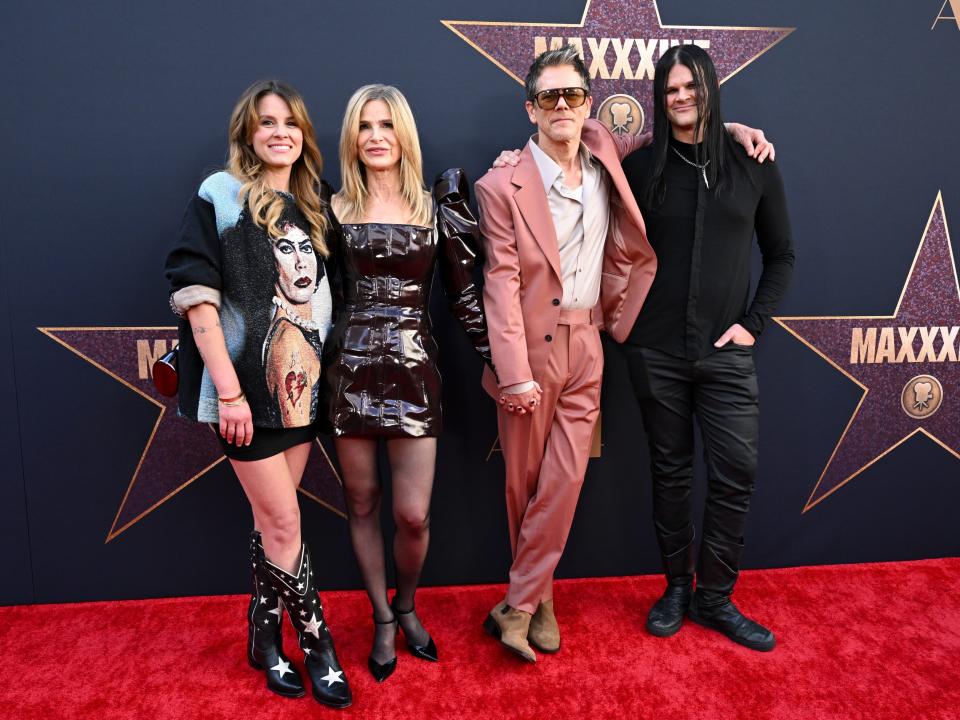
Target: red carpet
[{"x": 856, "y": 641}]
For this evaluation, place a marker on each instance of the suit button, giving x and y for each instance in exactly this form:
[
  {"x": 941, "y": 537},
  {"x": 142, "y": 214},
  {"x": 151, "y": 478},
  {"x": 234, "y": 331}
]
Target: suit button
[
  {"x": 548, "y": 338},
  {"x": 556, "y": 301}
]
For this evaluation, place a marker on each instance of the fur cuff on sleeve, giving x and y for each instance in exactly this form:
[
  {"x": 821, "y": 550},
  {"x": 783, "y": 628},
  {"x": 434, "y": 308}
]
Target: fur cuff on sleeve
[{"x": 193, "y": 295}]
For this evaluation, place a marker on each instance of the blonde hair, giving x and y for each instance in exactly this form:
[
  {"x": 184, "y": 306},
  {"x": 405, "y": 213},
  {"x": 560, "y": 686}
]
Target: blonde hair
[
  {"x": 265, "y": 204},
  {"x": 354, "y": 193}
]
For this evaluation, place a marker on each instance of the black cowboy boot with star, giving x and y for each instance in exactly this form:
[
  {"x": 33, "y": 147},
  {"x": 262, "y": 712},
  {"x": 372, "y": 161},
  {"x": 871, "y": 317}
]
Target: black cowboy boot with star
[
  {"x": 302, "y": 601},
  {"x": 264, "y": 632}
]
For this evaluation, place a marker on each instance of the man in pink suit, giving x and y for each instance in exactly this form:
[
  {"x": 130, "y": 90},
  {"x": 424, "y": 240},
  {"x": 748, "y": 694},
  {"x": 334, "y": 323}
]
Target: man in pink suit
[{"x": 566, "y": 255}]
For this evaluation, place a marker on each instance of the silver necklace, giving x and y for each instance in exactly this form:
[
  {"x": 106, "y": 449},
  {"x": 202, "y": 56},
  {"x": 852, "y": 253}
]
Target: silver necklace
[{"x": 701, "y": 168}]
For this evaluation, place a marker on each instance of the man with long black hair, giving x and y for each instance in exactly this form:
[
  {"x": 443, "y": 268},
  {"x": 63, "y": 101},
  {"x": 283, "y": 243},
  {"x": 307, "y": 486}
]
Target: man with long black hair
[{"x": 690, "y": 352}]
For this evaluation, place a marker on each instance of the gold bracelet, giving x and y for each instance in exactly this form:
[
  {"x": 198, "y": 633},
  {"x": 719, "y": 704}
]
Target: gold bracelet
[{"x": 234, "y": 401}]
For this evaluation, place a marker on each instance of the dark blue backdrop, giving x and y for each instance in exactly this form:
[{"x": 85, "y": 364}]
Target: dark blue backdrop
[{"x": 114, "y": 111}]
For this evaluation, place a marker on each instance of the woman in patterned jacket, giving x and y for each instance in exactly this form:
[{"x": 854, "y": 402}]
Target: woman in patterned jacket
[{"x": 248, "y": 278}]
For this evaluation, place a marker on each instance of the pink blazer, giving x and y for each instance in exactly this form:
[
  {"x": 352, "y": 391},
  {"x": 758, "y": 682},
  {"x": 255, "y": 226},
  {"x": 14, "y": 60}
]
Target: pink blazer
[{"x": 523, "y": 286}]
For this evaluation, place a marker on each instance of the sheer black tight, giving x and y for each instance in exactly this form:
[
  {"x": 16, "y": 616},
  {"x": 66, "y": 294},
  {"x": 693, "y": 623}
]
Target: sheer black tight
[{"x": 411, "y": 469}]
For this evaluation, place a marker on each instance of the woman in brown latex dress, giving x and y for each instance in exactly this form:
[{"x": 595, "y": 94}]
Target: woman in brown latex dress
[{"x": 381, "y": 370}]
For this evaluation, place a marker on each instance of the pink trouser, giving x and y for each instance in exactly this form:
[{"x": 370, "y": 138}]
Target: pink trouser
[{"x": 546, "y": 454}]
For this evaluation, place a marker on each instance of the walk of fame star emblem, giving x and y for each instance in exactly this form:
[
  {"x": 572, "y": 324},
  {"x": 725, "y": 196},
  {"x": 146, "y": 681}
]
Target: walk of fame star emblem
[
  {"x": 905, "y": 363},
  {"x": 620, "y": 42},
  {"x": 178, "y": 451}
]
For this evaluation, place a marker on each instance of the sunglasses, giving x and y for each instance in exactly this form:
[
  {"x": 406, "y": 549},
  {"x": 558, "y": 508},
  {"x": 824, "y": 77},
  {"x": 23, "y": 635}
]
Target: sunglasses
[{"x": 572, "y": 96}]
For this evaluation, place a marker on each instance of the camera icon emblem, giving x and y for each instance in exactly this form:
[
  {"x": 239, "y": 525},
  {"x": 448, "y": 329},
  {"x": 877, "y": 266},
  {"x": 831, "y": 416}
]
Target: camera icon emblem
[
  {"x": 921, "y": 397},
  {"x": 621, "y": 114}
]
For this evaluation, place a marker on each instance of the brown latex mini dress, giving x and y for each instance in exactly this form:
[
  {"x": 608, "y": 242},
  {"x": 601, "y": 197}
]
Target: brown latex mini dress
[{"x": 381, "y": 357}]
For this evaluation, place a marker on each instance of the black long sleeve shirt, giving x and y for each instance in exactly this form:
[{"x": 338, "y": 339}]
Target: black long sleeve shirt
[{"x": 703, "y": 240}]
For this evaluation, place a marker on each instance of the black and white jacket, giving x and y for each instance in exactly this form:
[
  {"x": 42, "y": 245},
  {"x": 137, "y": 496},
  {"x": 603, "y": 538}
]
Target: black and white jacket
[{"x": 261, "y": 286}]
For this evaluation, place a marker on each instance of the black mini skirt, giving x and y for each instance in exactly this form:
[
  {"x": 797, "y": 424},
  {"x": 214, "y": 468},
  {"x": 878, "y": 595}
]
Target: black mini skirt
[{"x": 267, "y": 442}]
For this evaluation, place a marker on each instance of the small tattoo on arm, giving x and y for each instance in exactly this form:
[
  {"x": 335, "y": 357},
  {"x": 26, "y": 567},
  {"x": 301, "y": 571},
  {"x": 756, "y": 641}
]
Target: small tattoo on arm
[{"x": 200, "y": 330}]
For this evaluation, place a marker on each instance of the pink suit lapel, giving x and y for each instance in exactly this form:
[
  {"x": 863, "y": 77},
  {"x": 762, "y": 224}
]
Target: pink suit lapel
[
  {"x": 606, "y": 153},
  {"x": 532, "y": 202}
]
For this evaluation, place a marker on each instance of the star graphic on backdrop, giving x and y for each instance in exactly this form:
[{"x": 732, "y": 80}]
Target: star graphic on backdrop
[
  {"x": 282, "y": 667},
  {"x": 313, "y": 626},
  {"x": 332, "y": 676},
  {"x": 913, "y": 385},
  {"x": 621, "y": 41},
  {"x": 178, "y": 451}
]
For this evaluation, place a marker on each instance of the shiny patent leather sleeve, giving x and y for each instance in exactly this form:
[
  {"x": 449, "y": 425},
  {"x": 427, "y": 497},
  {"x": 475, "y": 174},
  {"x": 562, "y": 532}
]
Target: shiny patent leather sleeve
[
  {"x": 333, "y": 263},
  {"x": 459, "y": 245}
]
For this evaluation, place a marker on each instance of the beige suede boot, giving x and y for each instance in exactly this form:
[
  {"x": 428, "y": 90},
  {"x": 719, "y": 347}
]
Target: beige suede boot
[
  {"x": 510, "y": 626},
  {"x": 544, "y": 632}
]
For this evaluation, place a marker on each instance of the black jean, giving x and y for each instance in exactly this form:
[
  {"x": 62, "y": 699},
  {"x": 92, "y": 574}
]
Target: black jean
[{"x": 721, "y": 392}]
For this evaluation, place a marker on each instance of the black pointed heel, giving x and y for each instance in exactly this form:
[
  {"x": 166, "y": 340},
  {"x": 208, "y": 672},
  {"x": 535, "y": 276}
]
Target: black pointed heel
[
  {"x": 381, "y": 671},
  {"x": 424, "y": 652}
]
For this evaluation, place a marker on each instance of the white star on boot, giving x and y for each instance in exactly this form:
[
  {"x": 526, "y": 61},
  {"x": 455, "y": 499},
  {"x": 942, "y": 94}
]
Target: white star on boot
[
  {"x": 283, "y": 667},
  {"x": 333, "y": 676},
  {"x": 312, "y": 626}
]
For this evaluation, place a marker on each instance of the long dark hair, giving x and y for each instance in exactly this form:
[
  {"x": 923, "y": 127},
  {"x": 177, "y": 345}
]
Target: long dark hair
[{"x": 713, "y": 148}]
